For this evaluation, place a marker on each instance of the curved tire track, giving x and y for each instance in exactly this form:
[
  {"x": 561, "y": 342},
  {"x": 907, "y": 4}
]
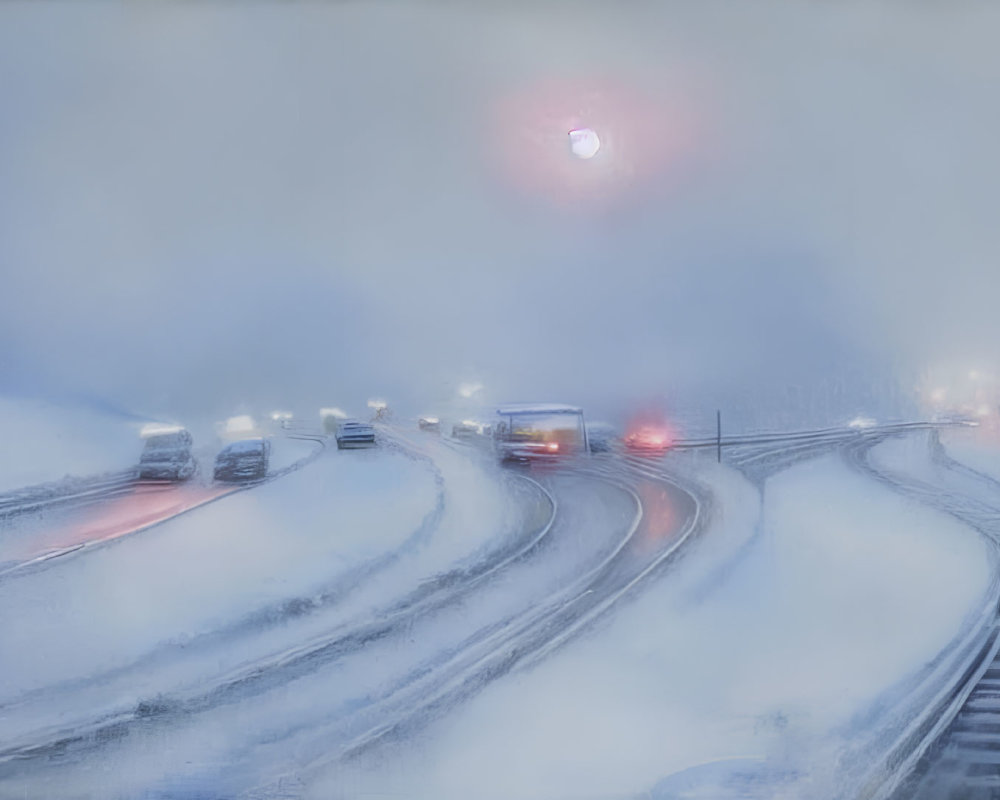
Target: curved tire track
[
  {"x": 43, "y": 560},
  {"x": 517, "y": 643},
  {"x": 946, "y": 682},
  {"x": 265, "y": 674}
]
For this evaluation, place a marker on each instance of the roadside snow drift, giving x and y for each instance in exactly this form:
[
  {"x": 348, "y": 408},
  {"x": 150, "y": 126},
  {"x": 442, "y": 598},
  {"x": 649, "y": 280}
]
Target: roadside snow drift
[
  {"x": 977, "y": 448},
  {"x": 844, "y": 591},
  {"x": 45, "y": 442},
  {"x": 241, "y": 585},
  {"x": 194, "y": 572}
]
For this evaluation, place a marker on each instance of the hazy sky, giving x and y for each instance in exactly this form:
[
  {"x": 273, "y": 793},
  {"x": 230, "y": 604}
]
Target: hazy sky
[{"x": 203, "y": 205}]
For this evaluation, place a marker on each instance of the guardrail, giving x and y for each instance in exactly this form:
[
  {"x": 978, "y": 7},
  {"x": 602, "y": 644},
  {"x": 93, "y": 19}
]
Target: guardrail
[
  {"x": 86, "y": 489},
  {"x": 46, "y": 495},
  {"x": 931, "y": 705},
  {"x": 778, "y": 437}
]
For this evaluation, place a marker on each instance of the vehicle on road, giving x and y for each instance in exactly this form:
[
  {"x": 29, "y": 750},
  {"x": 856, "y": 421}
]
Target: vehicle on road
[
  {"x": 432, "y": 424},
  {"x": 648, "y": 437},
  {"x": 524, "y": 432},
  {"x": 167, "y": 457},
  {"x": 353, "y": 433},
  {"x": 466, "y": 429},
  {"x": 283, "y": 419},
  {"x": 601, "y": 437},
  {"x": 242, "y": 461}
]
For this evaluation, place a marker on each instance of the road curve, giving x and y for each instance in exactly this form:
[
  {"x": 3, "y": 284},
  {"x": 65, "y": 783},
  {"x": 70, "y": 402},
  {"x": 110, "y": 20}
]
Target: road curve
[
  {"x": 457, "y": 633},
  {"x": 124, "y": 508}
]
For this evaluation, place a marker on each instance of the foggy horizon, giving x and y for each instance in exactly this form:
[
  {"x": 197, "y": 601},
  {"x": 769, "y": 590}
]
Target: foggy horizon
[
  {"x": 510, "y": 401},
  {"x": 364, "y": 195}
]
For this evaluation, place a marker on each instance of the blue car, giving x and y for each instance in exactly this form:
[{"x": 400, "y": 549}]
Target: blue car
[
  {"x": 243, "y": 461},
  {"x": 167, "y": 457},
  {"x": 352, "y": 433}
]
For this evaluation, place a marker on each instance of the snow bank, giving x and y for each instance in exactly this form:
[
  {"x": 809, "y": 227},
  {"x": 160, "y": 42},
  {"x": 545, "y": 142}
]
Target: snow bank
[
  {"x": 474, "y": 515},
  {"x": 206, "y": 567},
  {"x": 45, "y": 442},
  {"x": 756, "y": 649},
  {"x": 286, "y": 452},
  {"x": 976, "y": 448},
  {"x": 483, "y": 508}
]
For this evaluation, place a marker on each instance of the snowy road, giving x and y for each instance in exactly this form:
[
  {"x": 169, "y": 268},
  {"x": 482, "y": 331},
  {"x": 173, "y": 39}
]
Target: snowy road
[
  {"x": 284, "y": 641},
  {"x": 63, "y": 524},
  {"x": 346, "y": 676}
]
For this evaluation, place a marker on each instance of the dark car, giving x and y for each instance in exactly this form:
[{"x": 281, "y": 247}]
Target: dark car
[
  {"x": 243, "y": 461},
  {"x": 352, "y": 433},
  {"x": 601, "y": 437},
  {"x": 167, "y": 457}
]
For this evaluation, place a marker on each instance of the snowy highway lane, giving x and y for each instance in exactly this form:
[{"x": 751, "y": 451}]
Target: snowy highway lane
[
  {"x": 63, "y": 525},
  {"x": 388, "y": 667},
  {"x": 786, "y": 633},
  {"x": 380, "y": 618}
]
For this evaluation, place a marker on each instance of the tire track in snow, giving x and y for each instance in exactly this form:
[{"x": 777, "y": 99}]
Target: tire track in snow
[
  {"x": 213, "y": 494},
  {"x": 258, "y": 621},
  {"x": 943, "y": 689},
  {"x": 516, "y": 643},
  {"x": 265, "y": 674}
]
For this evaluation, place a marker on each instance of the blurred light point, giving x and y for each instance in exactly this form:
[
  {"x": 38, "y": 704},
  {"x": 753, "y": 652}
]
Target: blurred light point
[
  {"x": 378, "y": 405},
  {"x": 240, "y": 424},
  {"x": 158, "y": 429},
  {"x": 584, "y": 142},
  {"x": 469, "y": 389}
]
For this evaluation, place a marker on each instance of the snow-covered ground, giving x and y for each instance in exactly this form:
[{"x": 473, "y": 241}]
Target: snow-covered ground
[
  {"x": 766, "y": 660},
  {"x": 199, "y": 570},
  {"x": 752, "y": 664},
  {"x": 477, "y": 516},
  {"x": 977, "y": 448},
  {"x": 360, "y": 528},
  {"x": 45, "y": 442},
  {"x": 286, "y": 452}
]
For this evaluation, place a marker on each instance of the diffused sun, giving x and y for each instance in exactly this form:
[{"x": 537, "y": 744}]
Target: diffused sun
[{"x": 584, "y": 142}]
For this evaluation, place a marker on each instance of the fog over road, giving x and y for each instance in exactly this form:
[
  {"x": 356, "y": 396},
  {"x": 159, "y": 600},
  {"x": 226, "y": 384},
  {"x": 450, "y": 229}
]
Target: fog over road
[
  {"x": 595, "y": 536},
  {"x": 491, "y": 577},
  {"x": 738, "y": 261}
]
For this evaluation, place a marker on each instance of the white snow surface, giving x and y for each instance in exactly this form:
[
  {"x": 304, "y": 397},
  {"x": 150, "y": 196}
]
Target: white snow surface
[
  {"x": 45, "y": 442},
  {"x": 755, "y": 650},
  {"x": 759, "y": 650},
  {"x": 210, "y": 565},
  {"x": 978, "y": 448},
  {"x": 331, "y": 520},
  {"x": 286, "y": 451}
]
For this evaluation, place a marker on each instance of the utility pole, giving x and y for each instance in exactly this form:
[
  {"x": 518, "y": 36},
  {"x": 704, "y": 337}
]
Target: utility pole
[{"x": 718, "y": 436}]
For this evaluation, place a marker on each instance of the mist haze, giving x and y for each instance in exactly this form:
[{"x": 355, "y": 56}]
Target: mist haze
[
  {"x": 534, "y": 248},
  {"x": 206, "y": 205}
]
